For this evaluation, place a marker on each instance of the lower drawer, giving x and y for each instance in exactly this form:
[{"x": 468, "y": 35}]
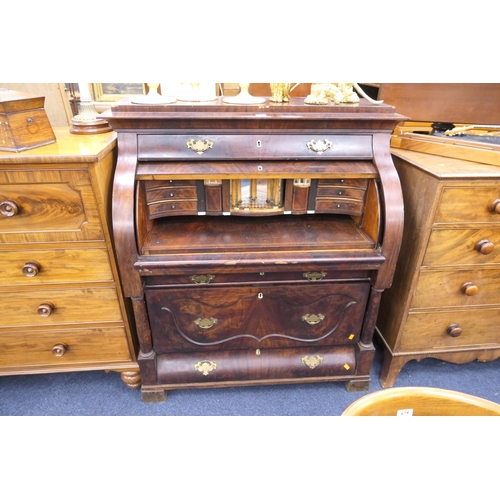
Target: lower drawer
[
  {"x": 259, "y": 316},
  {"x": 60, "y": 347},
  {"x": 434, "y": 330},
  {"x": 36, "y": 267},
  {"x": 269, "y": 364},
  {"x": 457, "y": 288},
  {"x": 58, "y": 306}
]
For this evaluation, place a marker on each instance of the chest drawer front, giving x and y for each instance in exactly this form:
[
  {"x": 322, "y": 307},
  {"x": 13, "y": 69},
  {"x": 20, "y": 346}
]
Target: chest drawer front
[
  {"x": 61, "y": 347},
  {"x": 457, "y": 288},
  {"x": 433, "y": 331},
  {"x": 48, "y": 206},
  {"x": 241, "y": 317},
  {"x": 469, "y": 204},
  {"x": 294, "y": 364},
  {"x": 448, "y": 247},
  {"x": 52, "y": 307},
  {"x": 259, "y": 146},
  {"x": 36, "y": 267}
]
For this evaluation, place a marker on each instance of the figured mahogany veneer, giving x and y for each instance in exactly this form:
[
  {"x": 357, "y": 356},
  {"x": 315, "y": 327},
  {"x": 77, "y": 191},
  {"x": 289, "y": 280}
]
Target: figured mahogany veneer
[
  {"x": 255, "y": 242},
  {"x": 444, "y": 302},
  {"x": 63, "y": 306}
]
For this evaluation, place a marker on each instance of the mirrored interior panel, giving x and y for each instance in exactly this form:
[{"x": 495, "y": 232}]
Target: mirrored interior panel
[{"x": 257, "y": 195}]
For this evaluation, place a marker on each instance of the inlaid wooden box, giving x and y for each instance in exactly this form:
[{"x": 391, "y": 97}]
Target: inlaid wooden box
[{"x": 24, "y": 124}]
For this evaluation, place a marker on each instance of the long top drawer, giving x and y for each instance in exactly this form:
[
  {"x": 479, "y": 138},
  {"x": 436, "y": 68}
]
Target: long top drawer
[{"x": 259, "y": 146}]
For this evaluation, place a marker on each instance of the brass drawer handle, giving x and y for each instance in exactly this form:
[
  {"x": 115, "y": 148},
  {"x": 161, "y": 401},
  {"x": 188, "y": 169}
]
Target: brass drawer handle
[
  {"x": 469, "y": 288},
  {"x": 312, "y": 361},
  {"x": 199, "y": 146},
  {"x": 9, "y": 208},
  {"x": 59, "y": 349},
  {"x": 31, "y": 269},
  {"x": 205, "y": 366},
  {"x": 314, "y": 276},
  {"x": 313, "y": 319},
  {"x": 45, "y": 310},
  {"x": 319, "y": 146},
  {"x": 206, "y": 323},
  {"x": 485, "y": 247},
  {"x": 202, "y": 279},
  {"x": 454, "y": 330}
]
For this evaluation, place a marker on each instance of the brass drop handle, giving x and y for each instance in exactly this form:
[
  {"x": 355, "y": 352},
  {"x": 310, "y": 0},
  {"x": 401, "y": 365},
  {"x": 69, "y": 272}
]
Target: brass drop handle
[
  {"x": 469, "y": 288},
  {"x": 454, "y": 330},
  {"x": 202, "y": 279},
  {"x": 45, "y": 310},
  {"x": 59, "y": 349},
  {"x": 495, "y": 206},
  {"x": 9, "y": 208},
  {"x": 31, "y": 269},
  {"x": 485, "y": 247}
]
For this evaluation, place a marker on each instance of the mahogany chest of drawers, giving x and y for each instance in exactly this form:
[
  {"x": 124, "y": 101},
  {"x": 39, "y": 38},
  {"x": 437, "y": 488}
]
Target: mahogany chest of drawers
[
  {"x": 63, "y": 308},
  {"x": 444, "y": 302},
  {"x": 255, "y": 241}
]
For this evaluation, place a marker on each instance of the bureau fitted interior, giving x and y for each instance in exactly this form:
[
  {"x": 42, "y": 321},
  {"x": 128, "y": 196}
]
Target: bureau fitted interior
[{"x": 253, "y": 255}]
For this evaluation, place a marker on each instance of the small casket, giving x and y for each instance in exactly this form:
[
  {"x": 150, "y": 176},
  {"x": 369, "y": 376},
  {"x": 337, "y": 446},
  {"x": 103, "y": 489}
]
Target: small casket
[{"x": 24, "y": 124}]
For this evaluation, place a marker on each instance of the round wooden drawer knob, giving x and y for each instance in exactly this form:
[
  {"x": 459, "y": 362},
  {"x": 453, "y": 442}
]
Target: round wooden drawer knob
[
  {"x": 45, "y": 310},
  {"x": 454, "y": 330},
  {"x": 31, "y": 269},
  {"x": 9, "y": 208},
  {"x": 485, "y": 247},
  {"x": 495, "y": 207},
  {"x": 469, "y": 288},
  {"x": 59, "y": 349}
]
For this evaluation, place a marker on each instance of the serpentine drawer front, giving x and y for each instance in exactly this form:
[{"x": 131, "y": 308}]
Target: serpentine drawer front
[
  {"x": 254, "y": 317},
  {"x": 444, "y": 302},
  {"x": 63, "y": 305},
  {"x": 255, "y": 241}
]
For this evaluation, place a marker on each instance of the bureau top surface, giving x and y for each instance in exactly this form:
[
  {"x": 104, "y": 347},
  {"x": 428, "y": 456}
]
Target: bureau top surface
[
  {"x": 68, "y": 148},
  {"x": 125, "y": 114}
]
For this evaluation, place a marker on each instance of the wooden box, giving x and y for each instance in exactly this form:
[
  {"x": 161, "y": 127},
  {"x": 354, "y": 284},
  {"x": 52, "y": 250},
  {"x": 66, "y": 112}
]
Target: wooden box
[{"x": 23, "y": 121}]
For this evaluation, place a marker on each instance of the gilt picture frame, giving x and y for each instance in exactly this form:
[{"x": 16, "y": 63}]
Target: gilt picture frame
[{"x": 110, "y": 92}]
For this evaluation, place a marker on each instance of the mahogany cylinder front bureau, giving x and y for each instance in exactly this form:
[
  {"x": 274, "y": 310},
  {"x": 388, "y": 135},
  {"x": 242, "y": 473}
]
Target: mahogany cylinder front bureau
[
  {"x": 444, "y": 302},
  {"x": 63, "y": 307},
  {"x": 255, "y": 241}
]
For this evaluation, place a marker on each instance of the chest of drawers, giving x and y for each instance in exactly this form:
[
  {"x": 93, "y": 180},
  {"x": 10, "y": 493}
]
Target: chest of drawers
[
  {"x": 444, "y": 302},
  {"x": 255, "y": 242},
  {"x": 63, "y": 308}
]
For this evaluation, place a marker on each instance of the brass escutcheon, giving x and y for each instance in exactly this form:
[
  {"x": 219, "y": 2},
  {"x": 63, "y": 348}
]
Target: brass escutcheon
[
  {"x": 199, "y": 146},
  {"x": 313, "y": 319},
  {"x": 202, "y": 279},
  {"x": 314, "y": 276},
  {"x": 312, "y": 361},
  {"x": 205, "y": 366},
  {"x": 319, "y": 146},
  {"x": 205, "y": 323}
]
